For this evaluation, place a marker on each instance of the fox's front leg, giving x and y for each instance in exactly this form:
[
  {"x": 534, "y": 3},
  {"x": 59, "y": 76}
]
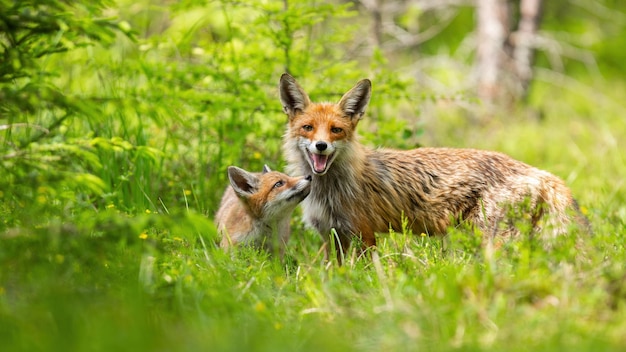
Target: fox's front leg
[
  {"x": 343, "y": 242},
  {"x": 341, "y": 245}
]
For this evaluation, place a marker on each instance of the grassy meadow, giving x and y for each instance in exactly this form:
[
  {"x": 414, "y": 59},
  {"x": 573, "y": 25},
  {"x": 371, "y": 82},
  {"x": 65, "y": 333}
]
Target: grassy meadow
[{"x": 113, "y": 161}]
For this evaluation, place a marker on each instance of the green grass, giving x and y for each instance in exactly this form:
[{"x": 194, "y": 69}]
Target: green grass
[
  {"x": 164, "y": 292},
  {"x": 107, "y": 242}
]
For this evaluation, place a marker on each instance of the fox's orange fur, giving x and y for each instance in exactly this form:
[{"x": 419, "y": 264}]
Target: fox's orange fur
[
  {"x": 256, "y": 208},
  {"x": 359, "y": 191}
]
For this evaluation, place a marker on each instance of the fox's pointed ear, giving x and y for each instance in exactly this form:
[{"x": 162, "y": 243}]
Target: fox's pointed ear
[
  {"x": 292, "y": 96},
  {"x": 266, "y": 169},
  {"x": 354, "y": 102},
  {"x": 244, "y": 183}
]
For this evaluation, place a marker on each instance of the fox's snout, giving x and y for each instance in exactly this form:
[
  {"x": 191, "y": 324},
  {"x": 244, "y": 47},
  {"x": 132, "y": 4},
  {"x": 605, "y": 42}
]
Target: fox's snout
[
  {"x": 300, "y": 190},
  {"x": 320, "y": 155},
  {"x": 321, "y": 145},
  {"x": 304, "y": 185}
]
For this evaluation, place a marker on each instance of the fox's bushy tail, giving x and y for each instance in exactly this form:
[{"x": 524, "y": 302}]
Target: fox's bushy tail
[{"x": 563, "y": 211}]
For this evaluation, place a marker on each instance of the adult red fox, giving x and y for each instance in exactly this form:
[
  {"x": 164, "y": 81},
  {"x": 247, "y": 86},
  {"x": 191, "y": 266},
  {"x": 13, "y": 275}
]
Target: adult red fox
[
  {"x": 359, "y": 191},
  {"x": 256, "y": 208}
]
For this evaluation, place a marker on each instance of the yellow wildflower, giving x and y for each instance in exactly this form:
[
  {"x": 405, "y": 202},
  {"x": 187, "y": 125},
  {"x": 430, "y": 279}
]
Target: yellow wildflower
[
  {"x": 584, "y": 210},
  {"x": 259, "y": 307}
]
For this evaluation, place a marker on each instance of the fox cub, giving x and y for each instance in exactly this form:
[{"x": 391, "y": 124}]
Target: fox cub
[
  {"x": 256, "y": 208},
  {"x": 359, "y": 191}
]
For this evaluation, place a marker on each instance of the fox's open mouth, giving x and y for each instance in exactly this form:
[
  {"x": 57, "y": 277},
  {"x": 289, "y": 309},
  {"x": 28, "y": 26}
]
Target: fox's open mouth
[{"x": 320, "y": 162}]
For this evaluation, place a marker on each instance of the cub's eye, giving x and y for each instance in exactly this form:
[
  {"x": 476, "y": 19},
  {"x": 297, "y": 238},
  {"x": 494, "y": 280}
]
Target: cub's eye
[
  {"x": 336, "y": 130},
  {"x": 279, "y": 184},
  {"x": 307, "y": 128}
]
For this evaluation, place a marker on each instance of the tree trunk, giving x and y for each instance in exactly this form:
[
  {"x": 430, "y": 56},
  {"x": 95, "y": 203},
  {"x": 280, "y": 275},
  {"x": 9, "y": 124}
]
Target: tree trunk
[
  {"x": 493, "y": 18},
  {"x": 374, "y": 7},
  {"x": 523, "y": 42},
  {"x": 503, "y": 58}
]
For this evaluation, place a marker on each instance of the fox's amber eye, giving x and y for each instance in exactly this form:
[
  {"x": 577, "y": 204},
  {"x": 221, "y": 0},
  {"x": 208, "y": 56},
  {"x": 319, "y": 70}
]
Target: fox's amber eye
[
  {"x": 279, "y": 184},
  {"x": 336, "y": 130},
  {"x": 307, "y": 128}
]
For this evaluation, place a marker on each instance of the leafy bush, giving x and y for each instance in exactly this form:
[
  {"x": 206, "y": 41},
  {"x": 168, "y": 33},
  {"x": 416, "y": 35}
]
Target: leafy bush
[{"x": 47, "y": 171}]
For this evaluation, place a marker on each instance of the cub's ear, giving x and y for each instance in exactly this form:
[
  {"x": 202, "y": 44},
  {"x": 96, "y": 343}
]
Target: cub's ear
[
  {"x": 244, "y": 183},
  {"x": 354, "y": 102},
  {"x": 292, "y": 96},
  {"x": 266, "y": 169}
]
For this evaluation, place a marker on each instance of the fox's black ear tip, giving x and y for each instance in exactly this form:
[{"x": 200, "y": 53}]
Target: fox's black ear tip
[
  {"x": 286, "y": 76},
  {"x": 234, "y": 170}
]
